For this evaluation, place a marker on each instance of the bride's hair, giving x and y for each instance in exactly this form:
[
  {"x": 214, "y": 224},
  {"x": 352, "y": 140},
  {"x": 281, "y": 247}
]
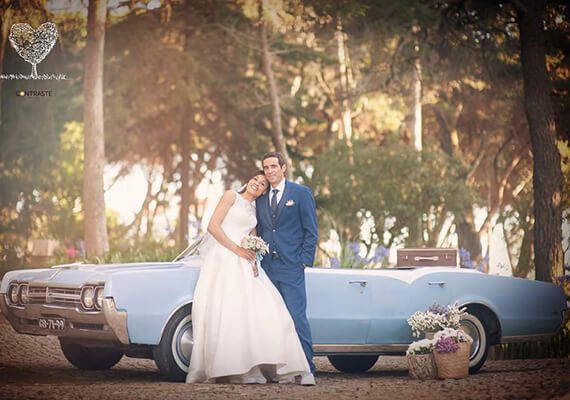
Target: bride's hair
[{"x": 244, "y": 186}]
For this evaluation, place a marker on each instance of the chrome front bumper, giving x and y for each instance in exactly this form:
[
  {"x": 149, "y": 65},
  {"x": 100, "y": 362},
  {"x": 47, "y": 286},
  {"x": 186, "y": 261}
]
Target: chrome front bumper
[{"x": 109, "y": 324}]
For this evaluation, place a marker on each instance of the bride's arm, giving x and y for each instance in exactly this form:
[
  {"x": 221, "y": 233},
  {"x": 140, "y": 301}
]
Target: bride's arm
[{"x": 215, "y": 227}]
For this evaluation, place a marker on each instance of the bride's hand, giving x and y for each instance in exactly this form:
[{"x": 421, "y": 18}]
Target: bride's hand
[
  {"x": 247, "y": 254},
  {"x": 255, "y": 271}
]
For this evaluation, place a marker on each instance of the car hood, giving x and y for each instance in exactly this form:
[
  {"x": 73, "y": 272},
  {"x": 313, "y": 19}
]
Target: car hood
[{"x": 78, "y": 274}]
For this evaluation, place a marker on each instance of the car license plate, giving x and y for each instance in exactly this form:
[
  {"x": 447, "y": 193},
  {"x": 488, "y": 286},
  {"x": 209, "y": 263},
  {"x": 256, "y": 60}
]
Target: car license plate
[{"x": 57, "y": 324}]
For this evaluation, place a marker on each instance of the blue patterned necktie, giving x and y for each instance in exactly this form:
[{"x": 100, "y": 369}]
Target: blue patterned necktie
[{"x": 274, "y": 199}]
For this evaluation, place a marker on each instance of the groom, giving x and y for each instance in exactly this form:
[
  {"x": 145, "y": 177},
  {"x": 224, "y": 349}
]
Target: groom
[{"x": 287, "y": 220}]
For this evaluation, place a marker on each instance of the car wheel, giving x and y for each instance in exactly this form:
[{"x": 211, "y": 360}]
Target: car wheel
[
  {"x": 353, "y": 364},
  {"x": 172, "y": 355},
  {"x": 90, "y": 357},
  {"x": 473, "y": 325}
]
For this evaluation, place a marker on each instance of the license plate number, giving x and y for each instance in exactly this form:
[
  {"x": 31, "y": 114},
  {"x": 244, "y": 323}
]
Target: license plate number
[{"x": 57, "y": 324}]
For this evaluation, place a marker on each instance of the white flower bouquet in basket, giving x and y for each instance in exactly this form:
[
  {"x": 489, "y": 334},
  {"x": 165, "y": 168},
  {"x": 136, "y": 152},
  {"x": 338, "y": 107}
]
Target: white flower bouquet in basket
[
  {"x": 256, "y": 244},
  {"x": 436, "y": 317},
  {"x": 421, "y": 364},
  {"x": 424, "y": 346}
]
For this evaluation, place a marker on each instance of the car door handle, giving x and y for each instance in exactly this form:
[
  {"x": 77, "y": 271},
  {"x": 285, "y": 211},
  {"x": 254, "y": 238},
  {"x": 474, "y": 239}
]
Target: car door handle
[
  {"x": 440, "y": 284},
  {"x": 362, "y": 283}
]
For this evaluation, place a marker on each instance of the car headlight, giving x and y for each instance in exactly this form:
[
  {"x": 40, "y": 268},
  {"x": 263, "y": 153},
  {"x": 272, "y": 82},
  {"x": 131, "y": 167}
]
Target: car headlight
[
  {"x": 99, "y": 298},
  {"x": 87, "y": 297},
  {"x": 13, "y": 293},
  {"x": 23, "y": 294}
]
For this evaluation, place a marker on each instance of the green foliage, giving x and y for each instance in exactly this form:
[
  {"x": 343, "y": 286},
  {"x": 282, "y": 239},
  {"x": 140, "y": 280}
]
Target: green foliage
[
  {"x": 63, "y": 221},
  {"x": 142, "y": 251},
  {"x": 194, "y": 68},
  {"x": 49, "y": 196},
  {"x": 389, "y": 186}
]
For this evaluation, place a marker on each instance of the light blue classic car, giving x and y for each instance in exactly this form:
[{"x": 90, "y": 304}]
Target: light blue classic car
[{"x": 102, "y": 312}]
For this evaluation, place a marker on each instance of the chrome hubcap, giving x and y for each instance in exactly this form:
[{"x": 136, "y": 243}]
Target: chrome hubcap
[
  {"x": 470, "y": 329},
  {"x": 182, "y": 343}
]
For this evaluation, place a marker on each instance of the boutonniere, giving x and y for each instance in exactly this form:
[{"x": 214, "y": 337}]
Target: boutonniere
[{"x": 289, "y": 203}]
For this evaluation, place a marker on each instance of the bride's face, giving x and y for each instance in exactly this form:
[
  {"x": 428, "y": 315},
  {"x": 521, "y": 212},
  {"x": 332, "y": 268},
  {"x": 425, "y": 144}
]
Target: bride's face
[{"x": 257, "y": 185}]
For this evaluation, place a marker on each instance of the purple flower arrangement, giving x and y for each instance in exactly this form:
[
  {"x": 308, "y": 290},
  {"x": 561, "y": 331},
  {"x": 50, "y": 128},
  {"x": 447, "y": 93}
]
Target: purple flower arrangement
[
  {"x": 353, "y": 259},
  {"x": 466, "y": 262},
  {"x": 446, "y": 345},
  {"x": 440, "y": 310}
]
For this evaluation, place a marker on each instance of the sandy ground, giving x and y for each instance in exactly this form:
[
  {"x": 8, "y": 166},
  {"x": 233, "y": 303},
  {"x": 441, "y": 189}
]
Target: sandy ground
[{"x": 34, "y": 367}]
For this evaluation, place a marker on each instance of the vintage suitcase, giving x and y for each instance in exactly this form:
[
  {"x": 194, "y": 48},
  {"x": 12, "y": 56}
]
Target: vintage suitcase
[{"x": 428, "y": 257}]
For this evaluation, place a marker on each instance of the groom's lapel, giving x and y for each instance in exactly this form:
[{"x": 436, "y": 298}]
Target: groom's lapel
[
  {"x": 283, "y": 200},
  {"x": 265, "y": 207}
]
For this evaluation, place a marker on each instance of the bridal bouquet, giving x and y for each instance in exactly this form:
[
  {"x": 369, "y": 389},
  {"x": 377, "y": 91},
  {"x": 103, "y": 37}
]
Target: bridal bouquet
[{"x": 257, "y": 244}]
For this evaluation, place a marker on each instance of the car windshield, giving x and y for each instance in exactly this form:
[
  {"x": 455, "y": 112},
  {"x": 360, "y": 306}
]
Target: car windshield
[{"x": 191, "y": 250}]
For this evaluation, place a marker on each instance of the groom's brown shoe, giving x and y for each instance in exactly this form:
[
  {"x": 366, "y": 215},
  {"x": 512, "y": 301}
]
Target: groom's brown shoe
[{"x": 308, "y": 379}]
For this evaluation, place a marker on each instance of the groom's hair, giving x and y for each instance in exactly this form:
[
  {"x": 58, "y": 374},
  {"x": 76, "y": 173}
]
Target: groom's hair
[{"x": 276, "y": 155}]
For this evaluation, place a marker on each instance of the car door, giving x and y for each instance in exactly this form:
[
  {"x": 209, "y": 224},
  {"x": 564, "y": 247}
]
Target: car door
[
  {"x": 396, "y": 295},
  {"x": 338, "y": 305}
]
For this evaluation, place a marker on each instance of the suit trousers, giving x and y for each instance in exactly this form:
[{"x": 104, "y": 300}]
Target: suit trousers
[{"x": 291, "y": 284}]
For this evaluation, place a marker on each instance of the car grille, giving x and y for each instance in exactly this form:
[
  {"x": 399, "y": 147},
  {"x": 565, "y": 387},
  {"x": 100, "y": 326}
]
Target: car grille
[{"x": 54, "y": 295}]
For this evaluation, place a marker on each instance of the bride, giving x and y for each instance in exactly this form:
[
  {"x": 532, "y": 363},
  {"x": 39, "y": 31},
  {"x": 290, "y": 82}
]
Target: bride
[{"x": 243, "y": 332}]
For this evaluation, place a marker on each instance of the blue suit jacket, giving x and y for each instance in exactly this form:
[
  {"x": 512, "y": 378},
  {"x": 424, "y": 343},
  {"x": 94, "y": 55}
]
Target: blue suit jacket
[{"x": 293, "y": 233}]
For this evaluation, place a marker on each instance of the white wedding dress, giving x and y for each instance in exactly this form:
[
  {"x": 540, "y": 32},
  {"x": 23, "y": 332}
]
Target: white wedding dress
[{"x": 243, "y": 332}]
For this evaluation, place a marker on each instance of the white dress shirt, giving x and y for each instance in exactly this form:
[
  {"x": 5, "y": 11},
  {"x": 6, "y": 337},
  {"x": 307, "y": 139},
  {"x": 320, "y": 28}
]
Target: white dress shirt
[{"x": 281, "y": 188}]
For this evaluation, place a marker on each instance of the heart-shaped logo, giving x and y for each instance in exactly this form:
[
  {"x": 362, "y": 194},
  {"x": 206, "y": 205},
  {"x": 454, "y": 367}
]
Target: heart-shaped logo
[{"x": 33, "y": 45}]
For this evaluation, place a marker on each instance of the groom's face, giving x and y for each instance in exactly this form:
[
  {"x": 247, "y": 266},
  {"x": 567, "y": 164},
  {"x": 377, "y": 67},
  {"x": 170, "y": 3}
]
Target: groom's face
[{"x": 273, "y": 171}]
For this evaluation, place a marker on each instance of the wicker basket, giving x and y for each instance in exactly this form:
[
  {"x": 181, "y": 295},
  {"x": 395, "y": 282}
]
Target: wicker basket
[
  {"x": 421, "y": 366},
  {"x": 453, "y": 365}
]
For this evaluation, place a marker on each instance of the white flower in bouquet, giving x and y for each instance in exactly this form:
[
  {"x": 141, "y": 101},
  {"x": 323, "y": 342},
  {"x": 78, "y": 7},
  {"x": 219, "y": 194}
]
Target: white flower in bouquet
[
  {"x": 424, "y": 346},
  {"x": 424, "y": 321},
  {"x": 458, "y": 335},
  {"x": 256, "y": 244},
  {"x": 453, "y": 315},
  {"x": 436, "y": 317}
]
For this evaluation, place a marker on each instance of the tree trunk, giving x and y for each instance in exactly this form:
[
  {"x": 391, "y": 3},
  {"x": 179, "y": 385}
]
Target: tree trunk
[
  {"x": 468, "y": 238},
  {"x": 417, "y": 105},
  {"x": 6, "y": 24},
  {"x": 416, "y": 125},
  {"x": 278, "y": 137},
  {"x": 137, "y": 221},
  {"x": 445, "y": 129},
  {"x": 547, "y": 175},
  {"x": 185, "y": 177},
  {"x": 96, "y": 241},
  {"x": 346, "y": 115},
  {"x": 524, "y": 264}
]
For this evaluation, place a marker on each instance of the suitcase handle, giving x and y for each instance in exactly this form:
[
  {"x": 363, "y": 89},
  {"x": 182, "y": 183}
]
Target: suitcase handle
[{"x": 426, "y": 258}]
